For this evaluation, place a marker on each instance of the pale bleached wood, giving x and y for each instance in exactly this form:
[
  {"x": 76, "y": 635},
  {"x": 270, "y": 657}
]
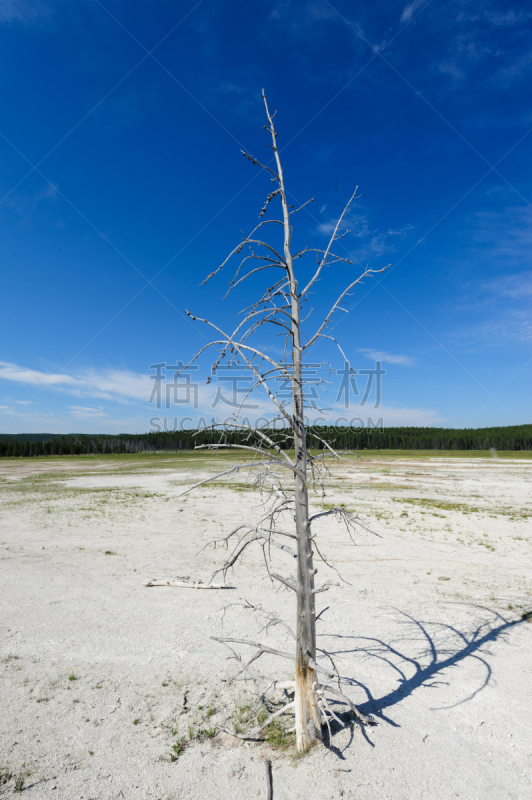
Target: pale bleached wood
[
  {"x": 283, "y": 481},
  {"x": 186, "y": 584}
]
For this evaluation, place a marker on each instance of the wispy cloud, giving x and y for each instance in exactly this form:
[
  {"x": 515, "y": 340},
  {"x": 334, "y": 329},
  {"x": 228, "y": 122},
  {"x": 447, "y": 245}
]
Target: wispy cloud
[
  {"x": 410, "y": 9},
  {"x": 465, "y": 51},
  {"x": 315, "y": 11},
  {"x": 86, "y": 412},
  {"x": 372, "y": 241},
  {"x": 110, "y": 384},
  {"x": 517, "y": 69},
  {"x": 486, "y": 45},
  {"x": 240, "y": 97},
  {"x": 48, "y": 193},
  {"x": 121, "y": 386},
  {"x": 507, "y": 19},
  {"x": 26, "y": 11},
  {"x": 507, "y": 235},
  {"x": 508, "y": 327},
  {"x": 26, "y": 204},
  {"x": 36, "y": 420},
  {"x": 357, "y": 224},
  {"x": 497, "y": 303},
  {"x": 451, "y": 68},
  {"x": 391, "y": 416},
  {"x": 418, "y": 417},
  {"x": 516, "y": 286},
  {"x": 388, "y": 358}
]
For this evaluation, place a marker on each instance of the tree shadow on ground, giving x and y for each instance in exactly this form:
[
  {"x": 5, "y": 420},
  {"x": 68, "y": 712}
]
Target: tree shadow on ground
[{"x": 421, "y": 655}]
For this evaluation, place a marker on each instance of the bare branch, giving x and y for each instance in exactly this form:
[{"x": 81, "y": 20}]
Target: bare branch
[
  {"x": 260, "y": 434},
  {"x": 324, "y": 324},
  {"x": 327, "y": 250},
  {"x": 360, "y": 717},
  {"x": 274, "y": 620},
  {"x": 262, "y": 166},
  {"x": 236, "y": 468},
  {"x": 262, "y": 647},
  {"x": 287, "y": 581},
  {"x": 302, "y": 206}
]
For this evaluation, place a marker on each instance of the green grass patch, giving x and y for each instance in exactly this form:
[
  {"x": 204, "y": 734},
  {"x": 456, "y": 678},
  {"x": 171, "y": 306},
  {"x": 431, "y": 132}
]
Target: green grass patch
[
  {"x": 178, "y": 748},
  {"x": 443, "y": 505}
]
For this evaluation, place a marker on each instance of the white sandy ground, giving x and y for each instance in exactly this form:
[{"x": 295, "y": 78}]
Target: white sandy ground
[{"x": 444, "y": 666}]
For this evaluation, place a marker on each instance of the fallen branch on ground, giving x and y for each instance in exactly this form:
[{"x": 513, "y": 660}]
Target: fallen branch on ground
[{"x": 186, "y": 584}]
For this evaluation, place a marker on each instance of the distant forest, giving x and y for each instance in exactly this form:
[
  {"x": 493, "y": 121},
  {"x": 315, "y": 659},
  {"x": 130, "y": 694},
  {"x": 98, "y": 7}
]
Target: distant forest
[{"x": 515, "y": 437}]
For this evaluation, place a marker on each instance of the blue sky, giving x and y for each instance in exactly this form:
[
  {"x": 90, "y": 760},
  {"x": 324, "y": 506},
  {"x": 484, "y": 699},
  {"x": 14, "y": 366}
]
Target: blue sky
[{"x": 122, "y": 186}]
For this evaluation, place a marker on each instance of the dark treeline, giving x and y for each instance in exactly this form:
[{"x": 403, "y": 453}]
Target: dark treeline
[{"x": 516, "y": 437}]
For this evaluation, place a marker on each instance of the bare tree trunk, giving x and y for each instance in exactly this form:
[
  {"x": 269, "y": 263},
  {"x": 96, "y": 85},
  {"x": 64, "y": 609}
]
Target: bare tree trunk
[
  {"x": 308, "y": 725},
  {"x": 307, "y": 713}
]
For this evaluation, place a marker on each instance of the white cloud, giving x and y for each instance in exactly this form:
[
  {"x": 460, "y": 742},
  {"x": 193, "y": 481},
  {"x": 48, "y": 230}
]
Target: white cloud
[
  {"x": 501, "y": 295},
  {"x": 504, "y": 298},
  {"x": 207, "y": 394},
  {"x": 507, "y": 19},
  {"x": 410, "y": 10},
  {"x": 12, "y": 372},
  {"x": 110, "y": 384},
  {"x": 127, "y": 387},
  {"x": 417, "y": 417},
  {"x": 37, "y": 421},
  {"x": 373, "y": 241},
  {"x": 357, "y": 224},
  {"x": 451, "y": 68},
  {"x": 517, "y": 69},
  {"x": 86, "y": 412},
  {"x": 516, "y": 286},
  {"x": 508, "y": 232},
  {"x": 388, "y": 358},
  {"x": 511, "y": 326}
]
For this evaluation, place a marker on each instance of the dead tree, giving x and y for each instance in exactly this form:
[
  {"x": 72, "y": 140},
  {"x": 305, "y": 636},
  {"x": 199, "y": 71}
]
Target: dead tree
[{"x": 283, "y": 479}]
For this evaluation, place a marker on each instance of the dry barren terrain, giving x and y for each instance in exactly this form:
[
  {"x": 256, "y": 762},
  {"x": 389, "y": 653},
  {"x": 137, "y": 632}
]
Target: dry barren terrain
[{"x": 113, "y": 690}]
